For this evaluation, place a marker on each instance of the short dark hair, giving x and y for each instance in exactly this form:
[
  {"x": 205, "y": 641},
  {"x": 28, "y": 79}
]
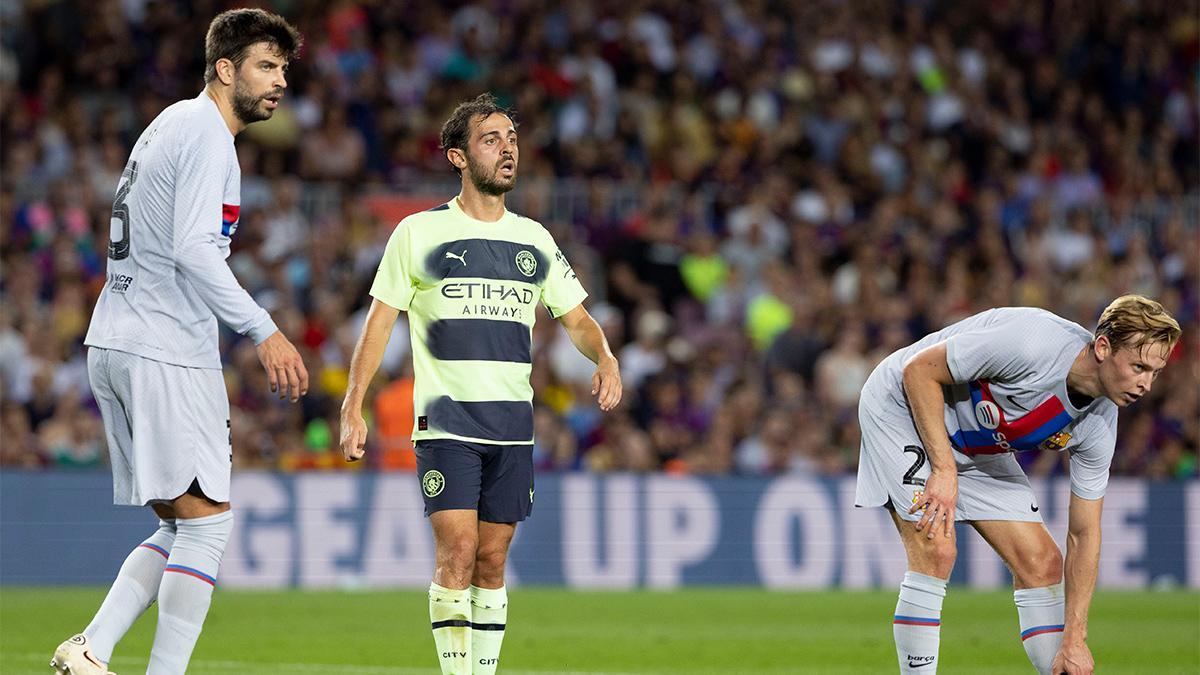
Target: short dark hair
[
  {"x": 457, "y": 130},
  {"x": 231, "y": 33}
]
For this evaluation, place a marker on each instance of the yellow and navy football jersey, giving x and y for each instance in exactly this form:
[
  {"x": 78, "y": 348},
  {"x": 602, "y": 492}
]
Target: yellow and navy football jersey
[{"x": 470, "y": 288}]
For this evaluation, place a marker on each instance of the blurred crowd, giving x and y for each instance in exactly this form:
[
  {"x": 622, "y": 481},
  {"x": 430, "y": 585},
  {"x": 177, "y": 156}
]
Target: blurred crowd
[{"x": 766, "y": 198}]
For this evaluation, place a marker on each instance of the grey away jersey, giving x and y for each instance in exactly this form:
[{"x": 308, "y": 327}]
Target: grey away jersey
[
  {"x": 1011, "y": 366},
  {"x": 176, "y": 207}
]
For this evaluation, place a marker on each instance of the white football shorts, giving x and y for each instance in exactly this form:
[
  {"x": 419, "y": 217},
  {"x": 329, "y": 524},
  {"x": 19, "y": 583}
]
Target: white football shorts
[
  {"x": 893, "y": 468},
  {"x": 166, "y": 426}
]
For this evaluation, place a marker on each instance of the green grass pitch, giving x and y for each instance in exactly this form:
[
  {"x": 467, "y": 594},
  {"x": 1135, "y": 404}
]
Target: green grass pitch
[{"x": 559, "y": 631}]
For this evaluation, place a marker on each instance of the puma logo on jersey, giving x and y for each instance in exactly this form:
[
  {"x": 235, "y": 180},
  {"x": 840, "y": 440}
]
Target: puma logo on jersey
[{"x": 461, "y": 258}]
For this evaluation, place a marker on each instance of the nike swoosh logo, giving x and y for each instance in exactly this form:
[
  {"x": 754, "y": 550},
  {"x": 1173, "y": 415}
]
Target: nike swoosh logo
[
  {"x": 920, "y": 665},
  {"x": 1016, "y": 405}
]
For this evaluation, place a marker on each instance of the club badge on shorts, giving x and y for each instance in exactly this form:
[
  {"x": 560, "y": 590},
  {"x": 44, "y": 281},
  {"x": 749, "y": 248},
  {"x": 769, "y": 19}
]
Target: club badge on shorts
[
  {"x": 433, "y": 482},
  {"x": 917, "y": 494}
]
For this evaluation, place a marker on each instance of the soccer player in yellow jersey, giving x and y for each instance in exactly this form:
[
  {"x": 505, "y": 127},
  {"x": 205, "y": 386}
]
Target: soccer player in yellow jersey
[{"x": 470, "y": 274}]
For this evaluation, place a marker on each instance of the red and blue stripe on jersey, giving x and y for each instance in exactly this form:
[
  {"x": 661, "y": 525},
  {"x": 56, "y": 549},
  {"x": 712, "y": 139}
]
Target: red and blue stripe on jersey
[
  {"x": 229, "y": 218},
  {"x": 1026, "y": 433}
]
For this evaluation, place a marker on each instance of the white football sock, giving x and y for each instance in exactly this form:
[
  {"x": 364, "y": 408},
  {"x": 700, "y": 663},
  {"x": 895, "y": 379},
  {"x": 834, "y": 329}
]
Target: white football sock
[
  {"x": 450, "y": 617},
  {"x": 186, "y": 590},
  {"x": 917, "y": 626},
  {"x": 1041, "y": 611},
  {"x": 489, "y": 614},
  {"x": 132, "y": 593}
]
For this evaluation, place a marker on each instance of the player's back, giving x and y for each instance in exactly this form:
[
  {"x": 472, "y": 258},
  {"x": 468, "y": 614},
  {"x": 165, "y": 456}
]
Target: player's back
[
  {"x": 1031, "y": 322},
  {"x": 182, "y": 171}
]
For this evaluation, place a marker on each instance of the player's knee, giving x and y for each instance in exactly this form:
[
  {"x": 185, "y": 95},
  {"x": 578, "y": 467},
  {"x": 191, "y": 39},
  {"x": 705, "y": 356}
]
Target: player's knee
[
  {"x": 935, "y": 557},
  {"x": 1038, "y": 566},
  {"x": 458, "y": 555},
  {"x": 490, "y": 563}
]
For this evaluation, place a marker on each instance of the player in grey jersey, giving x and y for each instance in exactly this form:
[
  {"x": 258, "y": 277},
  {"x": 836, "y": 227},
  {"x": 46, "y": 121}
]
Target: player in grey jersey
[
  {"x": 941, "y": 420},
  {"x": 153, "y": 358}
]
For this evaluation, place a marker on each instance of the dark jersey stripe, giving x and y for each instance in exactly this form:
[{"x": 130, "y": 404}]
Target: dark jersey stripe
[
  {"x": 487, "y": 259},
  {"x": 451, "y": 623},
  {"x": 499, "y": 421},
  {"x": 479, "y": 340}
]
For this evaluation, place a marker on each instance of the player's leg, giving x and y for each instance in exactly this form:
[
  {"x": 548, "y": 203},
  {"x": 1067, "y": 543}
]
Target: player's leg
[
  {"x": 132, "y": 593},
  {"x": 184, "y": 458},
  {"x": 136, "y": 585},
  {"x": 996, "y": 498},
  {"x": 455, "y": 536},
  {"x": 185, "y": 592},
  {"x": 917, "y": 623},
  {"x": 506, "y": 498},
  {"x": 892, "y": 471},
  {"x": 449, "y": 472},
  {"x": 135, "y": 589},
  {"x": 1037, "y": 567},
  {"x": 489, "y": 597}
]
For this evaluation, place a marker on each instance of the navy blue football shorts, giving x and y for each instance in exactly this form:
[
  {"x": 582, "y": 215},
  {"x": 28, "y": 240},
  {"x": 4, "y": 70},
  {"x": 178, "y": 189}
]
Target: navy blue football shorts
[{"x": 495, "y": 480}]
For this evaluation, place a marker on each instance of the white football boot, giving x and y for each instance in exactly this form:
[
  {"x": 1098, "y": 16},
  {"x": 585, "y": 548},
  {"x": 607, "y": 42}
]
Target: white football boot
[{"x": 74, "y": 657}]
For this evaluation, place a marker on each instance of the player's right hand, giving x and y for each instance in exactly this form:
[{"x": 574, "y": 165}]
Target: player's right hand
[
  {"x": 938, "y": 501},
  {"x": 354, "y": 436},
  {"x": 285, "y": 369},
  {"x": 1073, "y": 659}
]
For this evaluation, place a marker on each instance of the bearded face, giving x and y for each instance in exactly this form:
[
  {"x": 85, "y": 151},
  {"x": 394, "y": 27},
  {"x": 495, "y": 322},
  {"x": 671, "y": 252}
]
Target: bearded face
[
  {"x": 496, "y": 179},
  {"x": 258, "y": 84}
]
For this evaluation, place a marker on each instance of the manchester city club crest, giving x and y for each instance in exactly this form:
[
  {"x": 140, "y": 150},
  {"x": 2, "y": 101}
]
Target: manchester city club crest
[
  {"x": 527, "y": 263},
  {"x": 433, "y": 482}
]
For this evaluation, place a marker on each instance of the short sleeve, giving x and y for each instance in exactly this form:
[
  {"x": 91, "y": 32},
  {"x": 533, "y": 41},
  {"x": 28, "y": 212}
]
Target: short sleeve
[
  {"x": 562, "y": 291},
  {"x": 1003, "y": 352},
  {"x": 1092, "y": 457},
  {"x": 394, "y": 284}
]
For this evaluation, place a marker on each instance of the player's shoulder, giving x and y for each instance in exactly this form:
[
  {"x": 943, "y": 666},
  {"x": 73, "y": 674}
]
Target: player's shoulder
[
  {"x": 531, "y": 229},
  {"x": 1042, "y": 323},
  {"x": 198, "y": 122}
]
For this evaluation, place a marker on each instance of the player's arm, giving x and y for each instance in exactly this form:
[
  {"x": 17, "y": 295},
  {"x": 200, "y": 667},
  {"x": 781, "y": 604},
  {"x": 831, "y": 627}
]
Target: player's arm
[
  {"x": 368, "y": 354},
  {"x": 199, "y": 189},
  {"x": 924, "y": 375},
  {"x": 1082, "y": 563},
  {"x": 589, "y": 339}
]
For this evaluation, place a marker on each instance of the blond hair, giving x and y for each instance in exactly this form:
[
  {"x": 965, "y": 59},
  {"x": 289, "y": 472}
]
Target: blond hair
[{"x": 1135, "y": 321}]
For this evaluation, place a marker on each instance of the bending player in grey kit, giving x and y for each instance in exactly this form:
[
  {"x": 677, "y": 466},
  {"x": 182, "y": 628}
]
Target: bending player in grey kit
[
  {"x": 153, "y": 358},
  {"x": 941, "y": 420}
]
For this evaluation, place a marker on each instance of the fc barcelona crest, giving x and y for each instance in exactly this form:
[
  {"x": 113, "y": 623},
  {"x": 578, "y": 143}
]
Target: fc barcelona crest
[{"x": 1057, "y": 441}]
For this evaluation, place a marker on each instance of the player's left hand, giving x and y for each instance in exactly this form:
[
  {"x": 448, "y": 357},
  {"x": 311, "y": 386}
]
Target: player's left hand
[
  {"x": 1073, "y": 659},
  {"x": 285, "y": 369},
  {"x": 606, "y": 383}
]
